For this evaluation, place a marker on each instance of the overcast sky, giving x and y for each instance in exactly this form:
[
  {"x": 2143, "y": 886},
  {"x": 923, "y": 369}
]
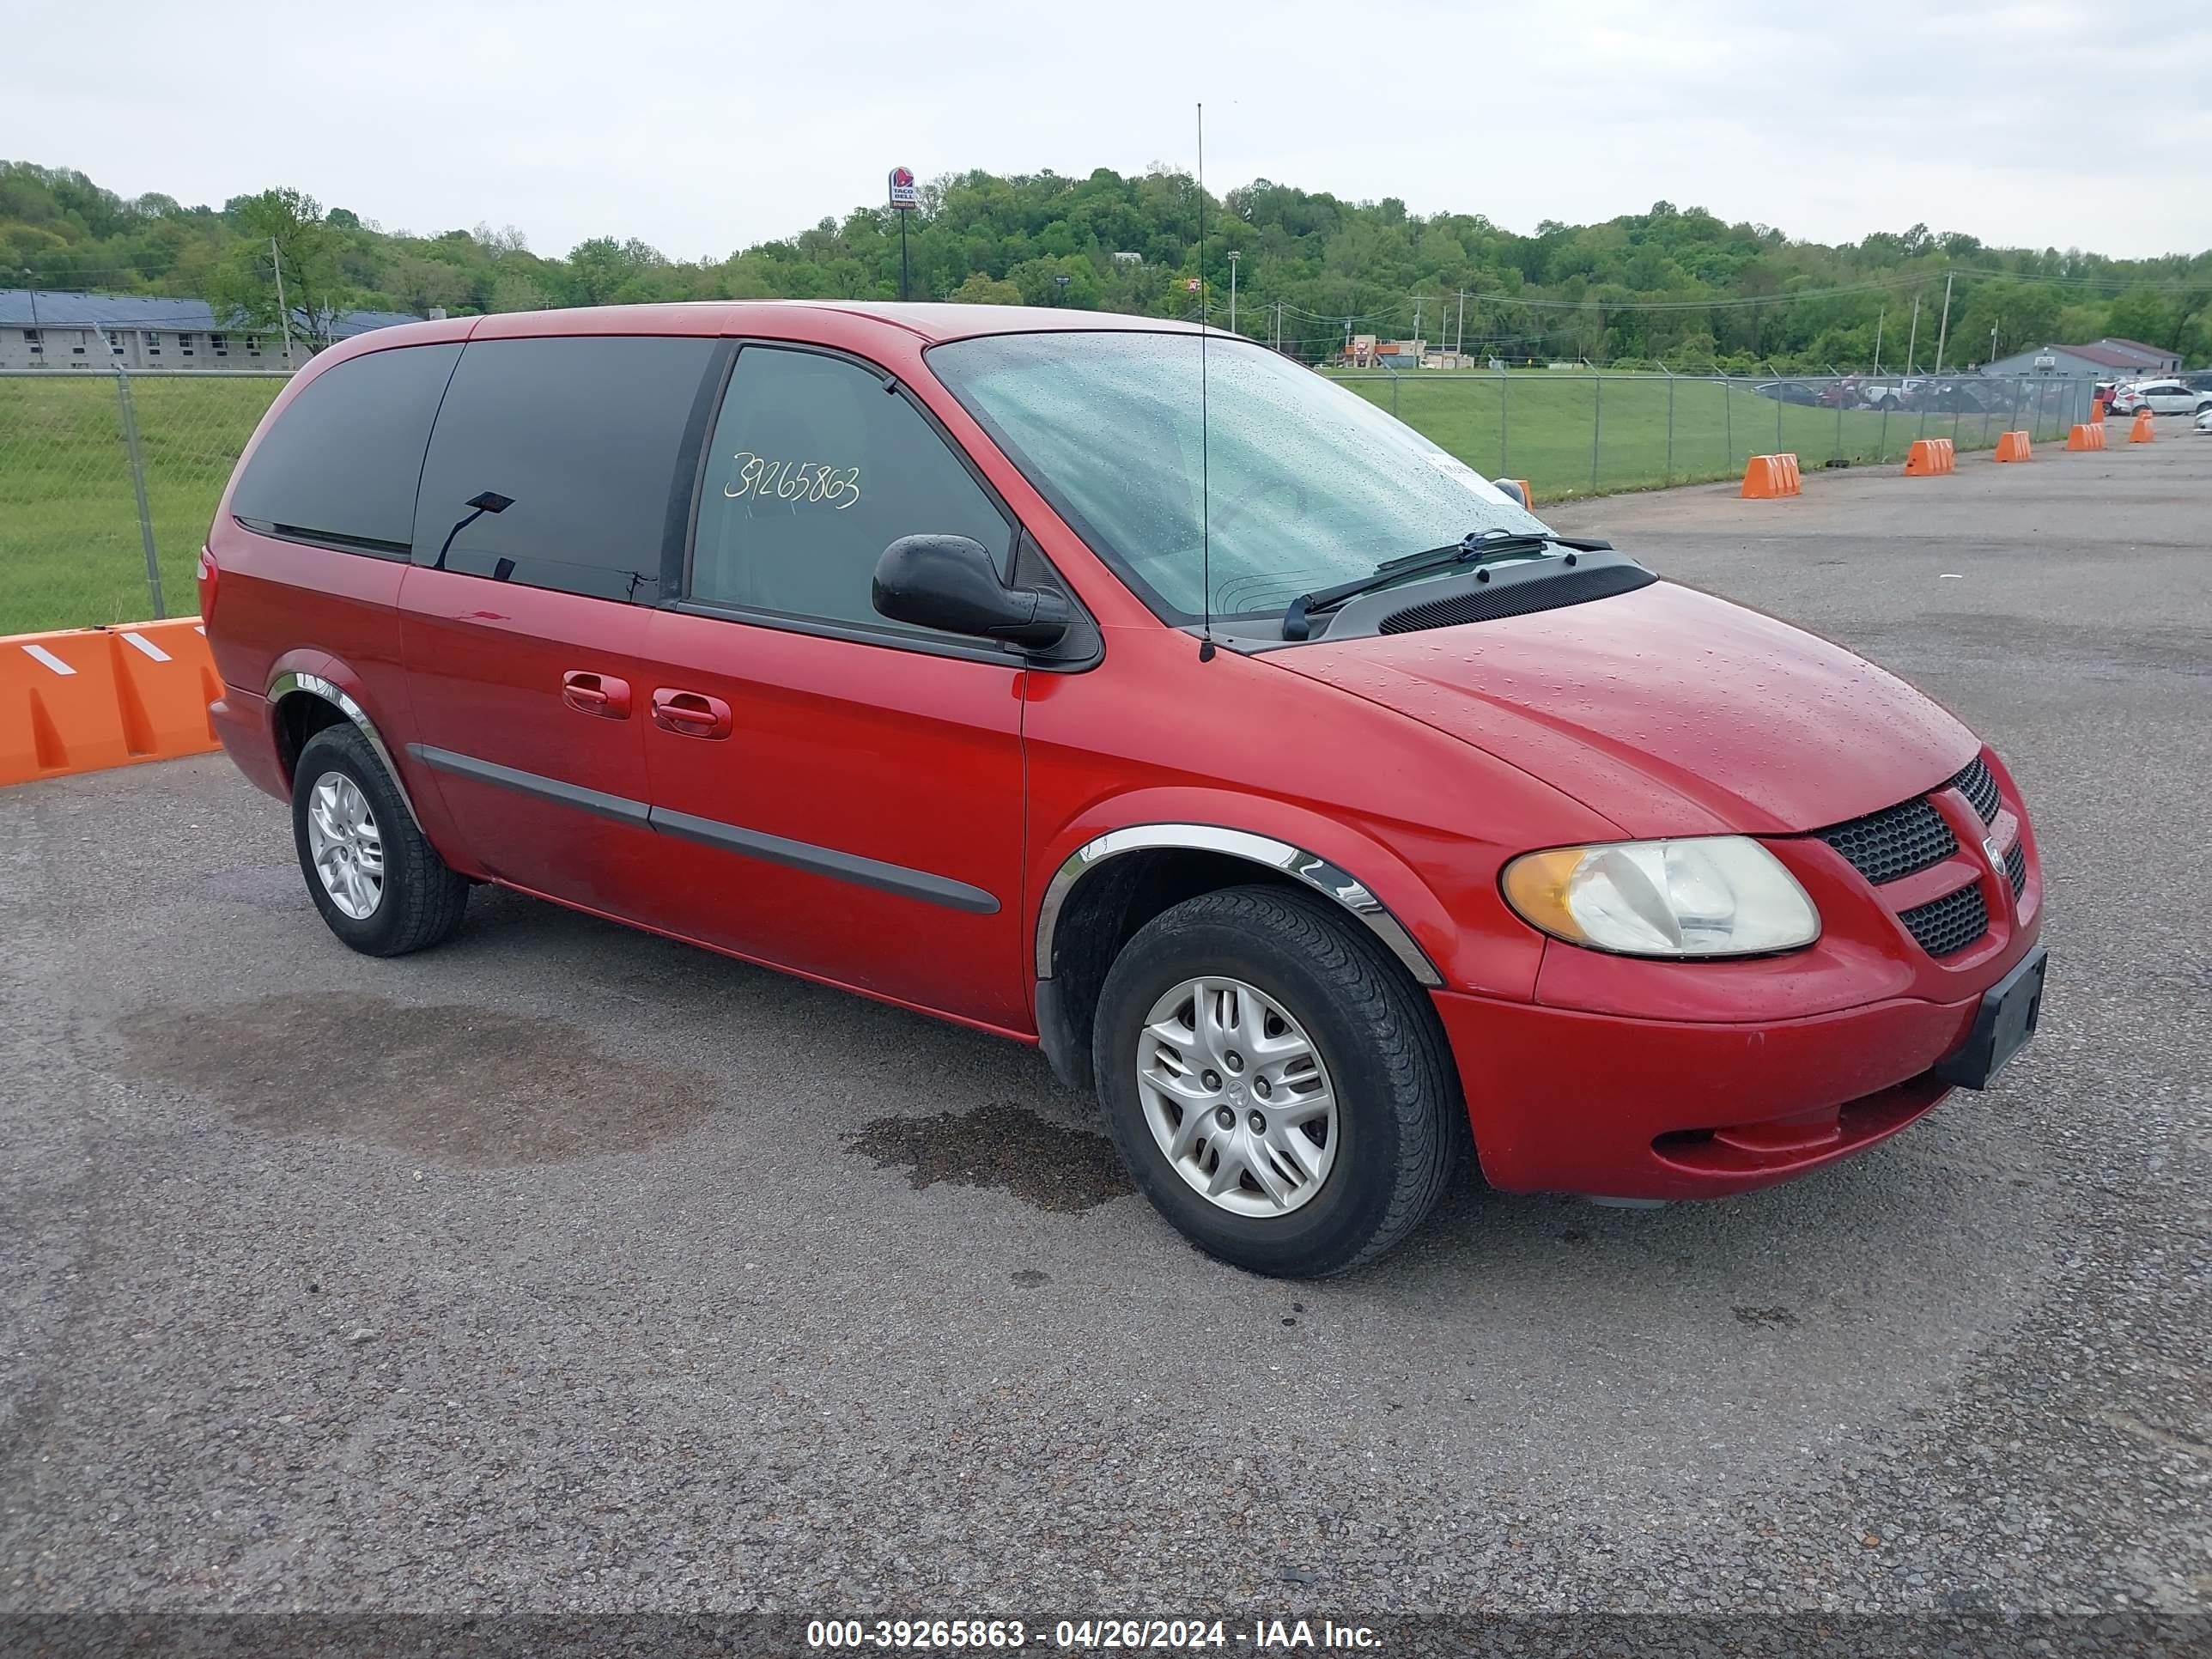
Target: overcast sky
[{"x": 703, "y": 127}]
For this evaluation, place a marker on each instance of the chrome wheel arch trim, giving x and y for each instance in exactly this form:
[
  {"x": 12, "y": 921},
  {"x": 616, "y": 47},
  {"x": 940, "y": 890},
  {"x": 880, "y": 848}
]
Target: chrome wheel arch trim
[
  {"x": 315, "y": 686},
  {"x": 1310, "y": 868}
]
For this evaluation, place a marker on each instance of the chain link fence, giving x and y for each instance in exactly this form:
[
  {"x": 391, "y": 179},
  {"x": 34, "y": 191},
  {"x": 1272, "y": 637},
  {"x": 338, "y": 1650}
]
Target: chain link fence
[
  {"x": 108, "y": 480},
  {"x": 107, "y": 483},
  {"x": 1582, "y": 433}
]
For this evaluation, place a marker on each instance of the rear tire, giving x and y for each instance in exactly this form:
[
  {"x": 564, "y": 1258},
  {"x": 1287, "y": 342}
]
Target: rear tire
[
  {"x": 379, "y": 883},
  {"x": 1291, "y": 970}
]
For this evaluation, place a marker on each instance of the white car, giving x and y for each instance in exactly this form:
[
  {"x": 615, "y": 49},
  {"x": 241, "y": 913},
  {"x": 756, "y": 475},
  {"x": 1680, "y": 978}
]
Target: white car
[
  {"x": 2161, "y": 397},
  {"x": 2204, "y": 422}
]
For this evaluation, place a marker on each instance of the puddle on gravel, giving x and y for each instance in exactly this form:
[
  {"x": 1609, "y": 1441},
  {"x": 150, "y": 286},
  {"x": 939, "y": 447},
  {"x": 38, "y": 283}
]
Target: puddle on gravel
[
  {"x": 1042, "y": 1163},
  {"x": 450, "y": 1084}
]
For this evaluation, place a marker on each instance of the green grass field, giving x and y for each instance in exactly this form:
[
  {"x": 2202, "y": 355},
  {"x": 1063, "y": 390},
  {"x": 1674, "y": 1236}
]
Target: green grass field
[
  {"x": 1570, "y": 434},
  {"x": 71, "y": 552}
]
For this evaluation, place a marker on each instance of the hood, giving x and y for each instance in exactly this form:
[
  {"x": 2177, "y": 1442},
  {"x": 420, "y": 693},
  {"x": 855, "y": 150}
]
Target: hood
[{"x": 1666, "y": 710}]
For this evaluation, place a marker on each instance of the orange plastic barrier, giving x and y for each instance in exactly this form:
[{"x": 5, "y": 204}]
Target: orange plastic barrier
[
  {"x": 2014, "y": 447},
  {"x": 2142, "y": 432},
  {"x": 1771, "y": 475},
  {"x": 2091, "y": 436},
  {"x": 2096, "y": 411},
  {"x": 1931, "y": 458},
  {"x": 94, "y": 697}
]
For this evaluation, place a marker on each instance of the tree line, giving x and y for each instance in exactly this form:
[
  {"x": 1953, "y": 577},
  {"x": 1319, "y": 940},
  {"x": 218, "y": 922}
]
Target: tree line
[{"x": 1676, "y": 286}]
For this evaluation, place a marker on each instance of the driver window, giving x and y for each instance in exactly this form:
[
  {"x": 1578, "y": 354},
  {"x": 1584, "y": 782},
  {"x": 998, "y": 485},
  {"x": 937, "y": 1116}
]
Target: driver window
[{"x": 815, "y": 468}]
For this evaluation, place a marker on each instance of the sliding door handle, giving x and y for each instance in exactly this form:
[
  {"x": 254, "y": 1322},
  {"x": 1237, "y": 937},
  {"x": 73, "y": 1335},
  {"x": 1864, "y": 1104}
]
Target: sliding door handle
[
  {"x": 602, "y": 695},
  {"x": 690, "y": 713}
]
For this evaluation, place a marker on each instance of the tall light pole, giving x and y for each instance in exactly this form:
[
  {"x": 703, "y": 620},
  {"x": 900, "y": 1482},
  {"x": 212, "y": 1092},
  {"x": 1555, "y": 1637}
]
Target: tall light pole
[
  {"x": 1943, "y": 330},
  {"x": 1232, "y": 290},
  {"x": 31, "y": 281},
  {"x": 284, "y": 311}
]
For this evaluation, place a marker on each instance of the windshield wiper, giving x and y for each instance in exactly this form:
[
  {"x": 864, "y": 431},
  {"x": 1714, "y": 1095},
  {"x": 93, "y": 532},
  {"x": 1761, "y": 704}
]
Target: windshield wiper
[{"x": 1476, "y": 547}]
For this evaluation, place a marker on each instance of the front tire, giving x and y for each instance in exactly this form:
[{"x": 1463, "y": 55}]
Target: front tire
[
  {"x": 1278, "y": 1088},
  {"x": 379, "y": 883}
]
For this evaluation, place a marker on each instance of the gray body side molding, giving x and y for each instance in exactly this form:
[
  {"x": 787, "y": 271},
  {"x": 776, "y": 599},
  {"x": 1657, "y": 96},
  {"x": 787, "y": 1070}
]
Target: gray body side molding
[{"x": 1314, "y": 871}]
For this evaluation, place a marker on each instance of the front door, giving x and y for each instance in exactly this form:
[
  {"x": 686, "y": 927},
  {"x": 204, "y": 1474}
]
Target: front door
[{"x": 838, "y": 794}]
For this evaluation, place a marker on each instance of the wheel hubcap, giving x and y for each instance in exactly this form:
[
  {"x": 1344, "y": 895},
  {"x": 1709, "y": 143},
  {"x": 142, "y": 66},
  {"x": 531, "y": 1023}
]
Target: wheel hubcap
[
  {"x": 345, "y": 845},
  {"x": 1237, "y": 1097}
]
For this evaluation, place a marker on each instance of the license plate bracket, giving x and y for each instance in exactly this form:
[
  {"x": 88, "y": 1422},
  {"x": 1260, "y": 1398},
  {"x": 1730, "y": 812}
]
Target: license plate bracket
[{"x": 2003, "y": 1025}]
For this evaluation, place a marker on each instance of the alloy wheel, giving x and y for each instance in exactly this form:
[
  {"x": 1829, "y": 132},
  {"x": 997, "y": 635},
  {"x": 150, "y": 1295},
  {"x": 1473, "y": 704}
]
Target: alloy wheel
[{"x": 346, "y": 844}]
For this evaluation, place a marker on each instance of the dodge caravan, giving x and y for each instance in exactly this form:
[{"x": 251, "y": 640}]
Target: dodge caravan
[{"x": 1276, "y": 775}]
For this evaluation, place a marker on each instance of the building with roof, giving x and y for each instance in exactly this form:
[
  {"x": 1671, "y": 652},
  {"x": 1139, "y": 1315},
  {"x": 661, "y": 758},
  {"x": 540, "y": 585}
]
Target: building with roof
[
  {"x": 61, "y": 330},
  {"x": 2107, "y": 360}
]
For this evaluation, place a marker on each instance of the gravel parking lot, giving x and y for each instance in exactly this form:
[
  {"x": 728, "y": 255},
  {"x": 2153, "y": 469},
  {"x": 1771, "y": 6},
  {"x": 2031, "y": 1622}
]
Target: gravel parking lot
[{"x": 567, "y": 1268}]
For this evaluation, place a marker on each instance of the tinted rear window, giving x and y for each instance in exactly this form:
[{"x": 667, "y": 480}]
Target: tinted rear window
[
  {"x": 341, "y": 463},
  {"x": 585, "y": 436}
]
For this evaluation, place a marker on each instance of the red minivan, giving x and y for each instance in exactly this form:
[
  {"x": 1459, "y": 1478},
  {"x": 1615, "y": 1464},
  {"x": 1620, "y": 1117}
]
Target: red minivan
[{"x": 1274, "y": 773}]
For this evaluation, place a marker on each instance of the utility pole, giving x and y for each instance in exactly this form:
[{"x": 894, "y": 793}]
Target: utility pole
[
  {"x": 1913, "y": 338},
  {"x": 1943, "y": 329},
  {"x": 1880, "y": 316},
  {"x": 1232, "y": 290},
  {"x": 31, "y": 281},
  {"x": 1993, "y": 342},
  {"x": 1459, "y": 333},
  {"x": 283, "y": 313},
  {"x": 1417, "y": 329}
]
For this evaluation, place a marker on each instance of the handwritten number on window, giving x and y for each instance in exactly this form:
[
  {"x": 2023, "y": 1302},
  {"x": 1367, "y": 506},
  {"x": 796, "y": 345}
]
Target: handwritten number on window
[{"x": 800, "y": 483}]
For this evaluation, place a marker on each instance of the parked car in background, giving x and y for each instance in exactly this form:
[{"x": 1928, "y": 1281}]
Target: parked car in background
[
  {"x": 2162, "y": 398},
  {"x": 891, "y": 647},
  {"x": 2204, "y": 423},
  {"x": 1969, "y": 396},
  {"x": 1792, "y": 392}
]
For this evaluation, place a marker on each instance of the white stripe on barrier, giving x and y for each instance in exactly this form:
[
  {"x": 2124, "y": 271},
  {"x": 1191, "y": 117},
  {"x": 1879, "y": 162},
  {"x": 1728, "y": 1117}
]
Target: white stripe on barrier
[
  {"x": 42, "y": 654},
  {"x": 200, "y": 629},
  {"x": 148, "y": 647}
]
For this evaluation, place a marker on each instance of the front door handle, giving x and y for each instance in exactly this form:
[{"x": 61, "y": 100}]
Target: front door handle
[
  {"x": 690, "y": 713},
  {"x": 602, "y": 695}
]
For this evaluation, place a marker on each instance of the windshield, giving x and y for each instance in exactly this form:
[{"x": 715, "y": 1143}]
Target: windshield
[{"x": 1308, "y": 484}]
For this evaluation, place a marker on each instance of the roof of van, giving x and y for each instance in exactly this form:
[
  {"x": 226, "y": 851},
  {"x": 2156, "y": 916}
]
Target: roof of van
[
  {"x": 934, "y": 321},
  {"x": 848, "y": 323},
  {"x": 926, "y": 320}
]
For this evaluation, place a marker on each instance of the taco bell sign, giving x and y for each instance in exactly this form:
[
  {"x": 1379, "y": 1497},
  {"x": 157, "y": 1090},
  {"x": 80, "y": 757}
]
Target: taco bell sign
[{"x": 903, "y": 196}]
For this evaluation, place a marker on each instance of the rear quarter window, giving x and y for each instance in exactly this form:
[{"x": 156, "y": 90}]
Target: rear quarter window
[
  {"x": 585, "y": 436},
  {"x": 341, "y": 462}
]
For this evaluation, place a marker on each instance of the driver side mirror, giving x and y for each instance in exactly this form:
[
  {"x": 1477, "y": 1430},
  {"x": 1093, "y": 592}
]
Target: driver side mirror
[{"x": 951, "y": 583}]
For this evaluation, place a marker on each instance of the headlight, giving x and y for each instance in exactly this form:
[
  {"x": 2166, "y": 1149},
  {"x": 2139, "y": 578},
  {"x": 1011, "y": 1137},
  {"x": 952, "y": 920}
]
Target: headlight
[{"x": 1719, "y": 896}]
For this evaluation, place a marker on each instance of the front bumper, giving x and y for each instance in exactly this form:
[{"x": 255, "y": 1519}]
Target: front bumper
[{"x": 1566, "y": 1101}]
